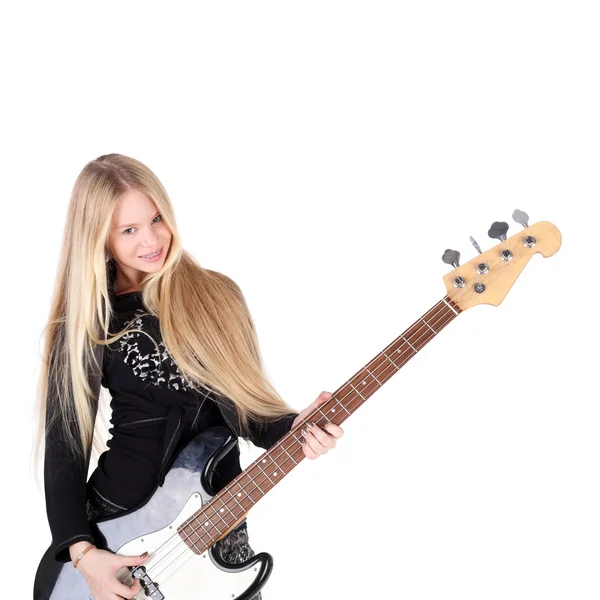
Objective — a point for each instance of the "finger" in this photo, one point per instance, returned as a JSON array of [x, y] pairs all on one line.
[[123, 591], [308, 451], [131, 561], [333, 429], [136, 587], [323, 397], [313, 443], [325, 439], [314, 447]]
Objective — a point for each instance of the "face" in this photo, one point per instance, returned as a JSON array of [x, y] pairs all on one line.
[[137, 230]]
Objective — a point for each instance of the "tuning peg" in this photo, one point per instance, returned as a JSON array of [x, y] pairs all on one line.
[[451, 257], [521, 217], [475, 244], [498, 230]]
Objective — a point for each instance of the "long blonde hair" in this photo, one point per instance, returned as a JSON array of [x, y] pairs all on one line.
[[204, 319]]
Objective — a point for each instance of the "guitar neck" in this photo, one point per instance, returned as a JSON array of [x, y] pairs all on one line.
[[215, 519]]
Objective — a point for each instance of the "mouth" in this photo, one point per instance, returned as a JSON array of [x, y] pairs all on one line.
[[152, 255]]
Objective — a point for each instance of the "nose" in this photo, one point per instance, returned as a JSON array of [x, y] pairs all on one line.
[[150, 241]]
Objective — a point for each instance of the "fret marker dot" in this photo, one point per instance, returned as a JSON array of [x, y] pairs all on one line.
[[275, 473], [222, 510], [239, 493], [206, 524], [264, 460], [364, 382], [333, 410]]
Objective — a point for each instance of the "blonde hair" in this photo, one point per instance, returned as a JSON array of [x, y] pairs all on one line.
[[204, 319]]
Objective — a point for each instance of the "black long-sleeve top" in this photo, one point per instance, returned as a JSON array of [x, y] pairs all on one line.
[[153, 410]]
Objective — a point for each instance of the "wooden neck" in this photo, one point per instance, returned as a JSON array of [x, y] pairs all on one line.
[[225, 510]]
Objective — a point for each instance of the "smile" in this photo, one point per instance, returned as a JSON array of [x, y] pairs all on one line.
[[152, 256]]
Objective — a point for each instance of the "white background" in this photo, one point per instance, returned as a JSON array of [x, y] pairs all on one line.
[[324, 155]]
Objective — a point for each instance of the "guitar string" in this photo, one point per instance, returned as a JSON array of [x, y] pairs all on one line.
[[438, 308], [439, 305], [438, 316], [184, 547]]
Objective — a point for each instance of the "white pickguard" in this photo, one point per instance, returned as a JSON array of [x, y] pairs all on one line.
[[180, 573]]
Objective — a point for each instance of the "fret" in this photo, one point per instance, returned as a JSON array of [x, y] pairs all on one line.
[[409, 344], [222, 509], [284, 466], [248, 496], [239, 494], [338, 402], [234, 498], [262, 478], [449, 306], [428, 325], [274, 465], [208, 534], [319, 409], [275, 462], [284, 449], [357, 393], [266, 474], [257, 486], [215, 513], [393, 363], [199, 539], [373, 376]]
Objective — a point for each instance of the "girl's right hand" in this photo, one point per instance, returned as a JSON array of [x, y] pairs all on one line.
[[99, 568]]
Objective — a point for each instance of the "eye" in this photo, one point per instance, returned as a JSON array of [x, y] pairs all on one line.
[[153, 221]]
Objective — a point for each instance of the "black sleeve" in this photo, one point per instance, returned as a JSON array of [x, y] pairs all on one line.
[[65, 480], [262, 434], [265, 435]]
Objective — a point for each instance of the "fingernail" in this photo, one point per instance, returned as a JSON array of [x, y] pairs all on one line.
[[310, 425], [302, 441], [304, 432], [144, 555]]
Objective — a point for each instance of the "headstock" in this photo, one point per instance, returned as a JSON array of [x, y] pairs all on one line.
[[487, 278]]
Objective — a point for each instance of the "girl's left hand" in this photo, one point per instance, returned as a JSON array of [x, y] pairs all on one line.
[[317, 440]]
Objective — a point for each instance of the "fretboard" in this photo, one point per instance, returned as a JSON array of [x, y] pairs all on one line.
[[230, 505]]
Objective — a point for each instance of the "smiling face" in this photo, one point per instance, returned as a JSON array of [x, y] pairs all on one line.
[[137, 230]]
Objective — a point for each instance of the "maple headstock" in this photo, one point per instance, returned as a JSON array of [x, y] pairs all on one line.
[[487, 278]]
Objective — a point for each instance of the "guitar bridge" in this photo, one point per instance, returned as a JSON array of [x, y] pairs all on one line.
[[151, 589]]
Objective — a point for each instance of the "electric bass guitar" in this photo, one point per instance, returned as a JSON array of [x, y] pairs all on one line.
[[182, 520]]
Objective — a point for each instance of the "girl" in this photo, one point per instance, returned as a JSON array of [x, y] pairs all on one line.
[[175, 345]]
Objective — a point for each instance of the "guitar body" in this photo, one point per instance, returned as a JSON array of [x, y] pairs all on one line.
[[179, 573]]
